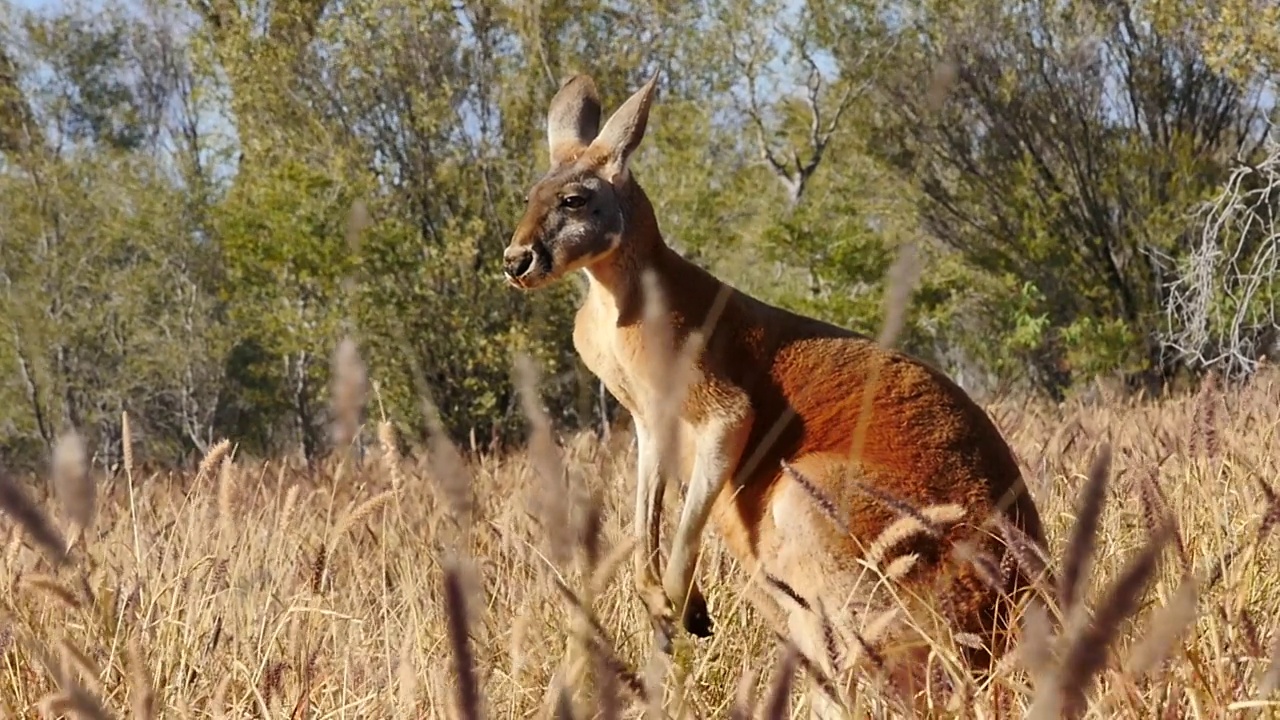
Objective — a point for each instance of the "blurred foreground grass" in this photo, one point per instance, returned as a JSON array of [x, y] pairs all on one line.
[[268, 589]]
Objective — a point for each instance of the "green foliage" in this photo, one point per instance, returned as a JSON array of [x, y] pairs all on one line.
[[840, 256], [433, 325], [284, 253], [104, 309], [178, 180], [1034, 167], [89, 58], [1098, 346]]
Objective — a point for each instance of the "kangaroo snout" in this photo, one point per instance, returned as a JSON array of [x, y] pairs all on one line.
[[516, 261]]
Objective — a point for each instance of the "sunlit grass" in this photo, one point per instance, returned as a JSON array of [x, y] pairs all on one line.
[[359, 588]]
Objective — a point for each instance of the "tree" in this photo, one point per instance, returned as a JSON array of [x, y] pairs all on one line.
[[106, 289], [1222, 295], [1072, 142]]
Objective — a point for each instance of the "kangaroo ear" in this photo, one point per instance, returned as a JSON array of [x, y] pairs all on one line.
[[623, 132], [573, 118]]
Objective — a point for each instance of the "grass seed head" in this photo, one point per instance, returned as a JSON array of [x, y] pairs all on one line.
[[71, 481]]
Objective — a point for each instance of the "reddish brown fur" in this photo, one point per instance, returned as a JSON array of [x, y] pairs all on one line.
[[924, 440]]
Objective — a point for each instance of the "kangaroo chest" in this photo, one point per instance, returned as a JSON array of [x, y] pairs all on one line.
[[605, 351]]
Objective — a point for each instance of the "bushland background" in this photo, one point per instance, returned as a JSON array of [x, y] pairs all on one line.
[[201, 198], [239, 240]]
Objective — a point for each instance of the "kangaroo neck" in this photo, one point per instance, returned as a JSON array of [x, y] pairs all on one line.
[[618, 280]]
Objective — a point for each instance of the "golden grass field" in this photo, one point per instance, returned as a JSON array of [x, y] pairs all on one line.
[[266, 589]]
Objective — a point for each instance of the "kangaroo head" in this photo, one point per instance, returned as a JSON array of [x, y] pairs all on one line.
[[576, 215]]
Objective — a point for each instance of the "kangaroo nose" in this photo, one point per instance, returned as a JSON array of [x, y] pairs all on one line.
[[517, 261]]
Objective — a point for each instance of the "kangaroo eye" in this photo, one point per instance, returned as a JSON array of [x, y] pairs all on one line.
[[573, 201]]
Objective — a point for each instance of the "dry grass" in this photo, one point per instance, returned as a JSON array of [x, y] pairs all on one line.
[[423, 583]]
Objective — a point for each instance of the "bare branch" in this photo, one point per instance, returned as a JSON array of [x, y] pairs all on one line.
[[813, 83], [795, 165], [1220, 311], [756, 115]]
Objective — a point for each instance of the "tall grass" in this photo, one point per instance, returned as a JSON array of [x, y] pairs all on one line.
[[424, 582]]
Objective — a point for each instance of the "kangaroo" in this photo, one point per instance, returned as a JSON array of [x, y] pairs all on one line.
[[786, 418]]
